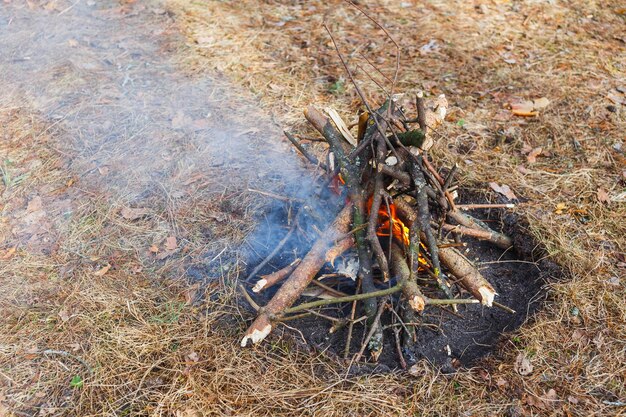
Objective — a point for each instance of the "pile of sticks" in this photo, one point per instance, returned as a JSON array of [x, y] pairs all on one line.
[[400, 218]]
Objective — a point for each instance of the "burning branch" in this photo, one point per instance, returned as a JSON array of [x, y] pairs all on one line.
[[397, 240], [299, 279]]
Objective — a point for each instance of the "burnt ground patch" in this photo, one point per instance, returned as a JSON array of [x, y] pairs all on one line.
[[448, 340]]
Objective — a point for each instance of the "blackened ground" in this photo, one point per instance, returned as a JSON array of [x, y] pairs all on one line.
[[446, 340]]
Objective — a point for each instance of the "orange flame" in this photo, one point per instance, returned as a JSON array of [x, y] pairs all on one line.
[[399, 230]]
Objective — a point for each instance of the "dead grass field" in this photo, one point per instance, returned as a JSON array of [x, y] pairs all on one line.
[[153, 349]]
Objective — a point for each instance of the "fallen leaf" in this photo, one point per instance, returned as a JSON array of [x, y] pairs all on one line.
[[602, 195], [191, 293], [64, 315], [171, 243], [551, 395], [133, 213], [8, 253], [532, 155], [100, 272], [154, 249], [572, 400], [523, 108], [528, 108], [34, 205], [579, 335], [541, 103], [193, 356], [560, 208], [504, 190], [534, 401], [523, 365], [501, 382]]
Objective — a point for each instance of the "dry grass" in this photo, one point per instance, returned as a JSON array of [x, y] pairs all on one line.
[[155, 350]]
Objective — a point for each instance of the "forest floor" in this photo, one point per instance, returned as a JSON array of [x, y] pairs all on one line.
[[120, 184]]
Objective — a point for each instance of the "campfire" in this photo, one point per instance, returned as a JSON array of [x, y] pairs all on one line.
[[400, 226]]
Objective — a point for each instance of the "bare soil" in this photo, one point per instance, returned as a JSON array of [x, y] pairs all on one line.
[[518, 276]]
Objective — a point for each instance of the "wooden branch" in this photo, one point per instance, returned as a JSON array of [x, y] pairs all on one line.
[[483, 206], [312, 159], [274, 278], [339, 248], [463, 230], [377, 198], [499, 239], [457, 264], [356, 297], [468, 274], [424, 218], [403, 177], [299, 280], [401, 270]]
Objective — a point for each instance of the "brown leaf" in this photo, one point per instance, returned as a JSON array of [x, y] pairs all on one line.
[[8, 253], [171, 243], [560, 208], [523, 108], [100, 272], [541, 103], [154, 249], [35, 204], [130, 213], [532, 155], [602, 195], [529, 108], [504, 190], [579, 335], [191, 293], [523, 365], [64, 315], [551, 395]]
